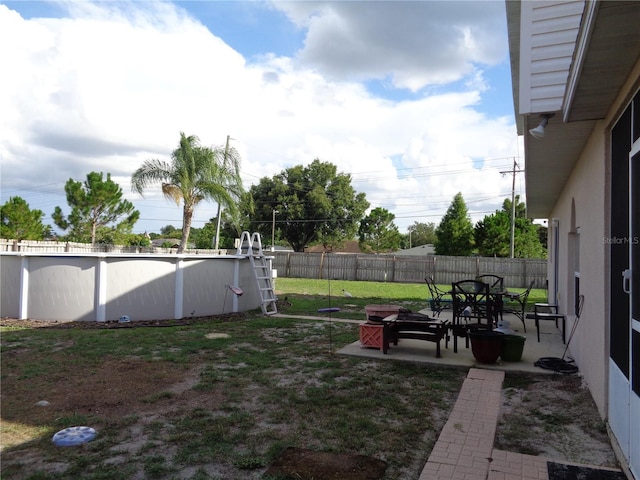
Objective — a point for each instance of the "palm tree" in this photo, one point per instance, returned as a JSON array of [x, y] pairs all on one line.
[[195, 173]]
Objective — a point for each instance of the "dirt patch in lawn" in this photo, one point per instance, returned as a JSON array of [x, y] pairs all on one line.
[[154, 405], [303, 464], [554, 417]]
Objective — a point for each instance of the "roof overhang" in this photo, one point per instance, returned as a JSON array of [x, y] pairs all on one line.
[[607, 48]]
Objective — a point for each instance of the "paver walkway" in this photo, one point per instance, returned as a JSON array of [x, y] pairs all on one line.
[[464, 450]]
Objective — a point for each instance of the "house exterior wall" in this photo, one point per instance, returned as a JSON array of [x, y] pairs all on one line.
[[584, 203], [580, 211], [548, 37]]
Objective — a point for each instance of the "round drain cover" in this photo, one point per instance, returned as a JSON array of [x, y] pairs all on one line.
[[73, 436]]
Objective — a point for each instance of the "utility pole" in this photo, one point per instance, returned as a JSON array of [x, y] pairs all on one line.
[[217, 242], [513, 203]]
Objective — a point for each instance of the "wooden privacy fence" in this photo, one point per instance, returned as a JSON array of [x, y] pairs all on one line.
[[517, 272]]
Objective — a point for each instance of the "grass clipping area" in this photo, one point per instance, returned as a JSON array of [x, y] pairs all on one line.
[[211, 400]]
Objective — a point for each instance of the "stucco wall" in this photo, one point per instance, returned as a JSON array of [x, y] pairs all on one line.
[[588, 189], [580, 211]]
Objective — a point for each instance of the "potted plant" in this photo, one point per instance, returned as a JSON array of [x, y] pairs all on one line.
[[512, 348], [486, 345]]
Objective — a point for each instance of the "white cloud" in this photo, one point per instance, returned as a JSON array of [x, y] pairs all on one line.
[[114, 83], [416, 43]]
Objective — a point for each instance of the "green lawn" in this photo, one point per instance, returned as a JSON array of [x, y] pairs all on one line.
[[219, 398], [306, 296], [216, 399]]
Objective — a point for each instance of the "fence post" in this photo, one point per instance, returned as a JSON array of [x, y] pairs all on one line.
[[288, 264], [435, 269], [393, 269]]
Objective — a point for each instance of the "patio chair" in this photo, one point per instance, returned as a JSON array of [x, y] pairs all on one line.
[[472, 305], [496, 284], [520, 300], [437, 302], [548, 311]]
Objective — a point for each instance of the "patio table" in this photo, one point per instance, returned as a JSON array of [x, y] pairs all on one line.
[[416, 326], [496, 296]]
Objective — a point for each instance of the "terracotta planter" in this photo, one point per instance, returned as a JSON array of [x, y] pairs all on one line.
[[371, 335], [486, 345]]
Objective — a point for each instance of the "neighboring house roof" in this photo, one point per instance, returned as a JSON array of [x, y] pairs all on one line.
[[157, 242], [349, 246], [175, 242], [599, 44], [428, 249]]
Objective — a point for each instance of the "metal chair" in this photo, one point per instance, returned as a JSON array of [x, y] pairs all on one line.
[[495, 282], [548, 311], [437, 302], [496, 286], [521, 301], [472, 305]]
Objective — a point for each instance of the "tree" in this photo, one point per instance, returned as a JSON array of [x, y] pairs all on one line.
[[312, 204], [543, 231], [95, 204], [204, 237], [378, 233], [455, 231], [169, 231], [19, 222], [421, 234], [234, 223], [493, 233], [195, 173]]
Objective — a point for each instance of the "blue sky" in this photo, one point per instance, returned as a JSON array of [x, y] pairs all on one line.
[[413, 99]]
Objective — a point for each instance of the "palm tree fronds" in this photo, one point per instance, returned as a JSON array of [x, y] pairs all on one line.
[[151, 172], [172, 192], [195, 173]]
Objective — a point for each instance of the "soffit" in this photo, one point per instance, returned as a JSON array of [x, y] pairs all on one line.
[[613, 50], [550, 160]]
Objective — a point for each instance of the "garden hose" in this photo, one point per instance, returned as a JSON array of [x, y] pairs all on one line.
[[558, 365]]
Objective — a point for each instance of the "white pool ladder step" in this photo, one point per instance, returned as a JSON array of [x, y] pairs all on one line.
[[251, 246]]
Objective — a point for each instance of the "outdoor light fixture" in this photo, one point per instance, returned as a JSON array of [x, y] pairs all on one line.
[[538, 132]]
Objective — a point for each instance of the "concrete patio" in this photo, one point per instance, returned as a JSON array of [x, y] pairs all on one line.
[[421, 351], [461, 451]]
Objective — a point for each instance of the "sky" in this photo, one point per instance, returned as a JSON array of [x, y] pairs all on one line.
[[412, 99]]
